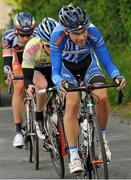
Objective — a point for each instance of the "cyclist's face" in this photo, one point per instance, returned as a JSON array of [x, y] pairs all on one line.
[[46, 46], [24, 38], [79, 37]]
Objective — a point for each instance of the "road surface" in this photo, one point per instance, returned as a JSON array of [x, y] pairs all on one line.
[[14, 163]]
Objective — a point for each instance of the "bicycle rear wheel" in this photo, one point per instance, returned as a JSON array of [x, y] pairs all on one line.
[[97, 153], [56, 149]]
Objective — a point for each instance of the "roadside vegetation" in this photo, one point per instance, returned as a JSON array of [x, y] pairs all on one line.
[[113, 19]]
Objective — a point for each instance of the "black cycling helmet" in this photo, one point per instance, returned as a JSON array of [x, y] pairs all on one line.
[[24, 23], [73, 17], [46, 27]]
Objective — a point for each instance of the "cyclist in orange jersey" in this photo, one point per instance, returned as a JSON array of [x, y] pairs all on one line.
[[13, 42]]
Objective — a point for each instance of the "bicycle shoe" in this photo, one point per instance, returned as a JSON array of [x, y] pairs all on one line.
[[18, 141], [75, 166]]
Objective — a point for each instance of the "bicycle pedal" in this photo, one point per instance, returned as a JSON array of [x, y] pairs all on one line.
[[81, 176], [19, 147], [77, 173]]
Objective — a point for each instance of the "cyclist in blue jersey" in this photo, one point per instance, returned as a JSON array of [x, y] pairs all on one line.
[[74, 42]]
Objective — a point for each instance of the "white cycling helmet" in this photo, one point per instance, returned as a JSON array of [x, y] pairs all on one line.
[[46, 27]]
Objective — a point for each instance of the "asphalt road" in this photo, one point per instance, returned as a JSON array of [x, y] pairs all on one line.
[[14, 163]]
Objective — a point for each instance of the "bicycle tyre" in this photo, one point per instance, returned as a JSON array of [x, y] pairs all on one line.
[[55, 152], [99, 168], [27, 138], [35, 147], [29, 149]]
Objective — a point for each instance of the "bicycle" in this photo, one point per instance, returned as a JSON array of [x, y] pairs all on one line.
[[58, 143], [54, 129], [31, 141], [90, 141]]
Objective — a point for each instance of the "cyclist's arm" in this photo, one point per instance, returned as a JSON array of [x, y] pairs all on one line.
[[7, 54], [28, 65], [98, 43], [56, 60]]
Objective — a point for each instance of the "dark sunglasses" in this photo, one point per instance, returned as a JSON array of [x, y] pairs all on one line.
[[47, 45], [78, 33], [24, 35]]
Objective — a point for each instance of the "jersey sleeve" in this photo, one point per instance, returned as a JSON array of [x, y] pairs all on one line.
[[28, 63], [97, 41], [28, 56], [56, 45], [7, 49]]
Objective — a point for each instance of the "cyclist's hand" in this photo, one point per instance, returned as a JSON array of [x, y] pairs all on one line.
[[120, 80], [31, 90], [64, 86], [63, 89], [9, 77]]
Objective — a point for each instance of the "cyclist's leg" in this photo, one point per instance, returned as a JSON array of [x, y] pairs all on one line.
[[102, 112], [71, 124], [94, 75], [40, 82], [18, 103]]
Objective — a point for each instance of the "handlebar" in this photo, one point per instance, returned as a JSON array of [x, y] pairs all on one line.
[[121, 96], [88, 88], [42, 91], [91, 87]]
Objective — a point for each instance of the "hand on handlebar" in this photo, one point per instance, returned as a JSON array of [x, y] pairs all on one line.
[[31, 90], [120, 80], [10, 77], [64, 85]]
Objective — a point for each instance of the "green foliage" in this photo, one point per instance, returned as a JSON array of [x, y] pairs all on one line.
[[113, 18]]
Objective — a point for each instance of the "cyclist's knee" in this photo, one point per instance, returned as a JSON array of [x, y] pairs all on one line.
[[19, 87], [41, 84], [103, 98], [72, 106]]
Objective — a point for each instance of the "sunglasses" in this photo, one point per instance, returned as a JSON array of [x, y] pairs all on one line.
[[47, 45], [78, 33], [24, 35]]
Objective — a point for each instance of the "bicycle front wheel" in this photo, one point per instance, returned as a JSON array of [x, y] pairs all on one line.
[[55, 150], [97, 153], [35, 149]]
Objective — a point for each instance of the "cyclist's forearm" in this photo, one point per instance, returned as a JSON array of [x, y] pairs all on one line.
[[57, 80], [107, 62], [28, 76], [8, 62]]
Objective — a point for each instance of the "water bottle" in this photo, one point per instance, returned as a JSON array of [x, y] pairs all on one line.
[[84, 131]]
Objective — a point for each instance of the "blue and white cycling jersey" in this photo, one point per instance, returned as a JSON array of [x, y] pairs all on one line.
[[62, 48]]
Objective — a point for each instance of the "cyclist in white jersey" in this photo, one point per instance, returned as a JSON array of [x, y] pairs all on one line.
[[36, 65]]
